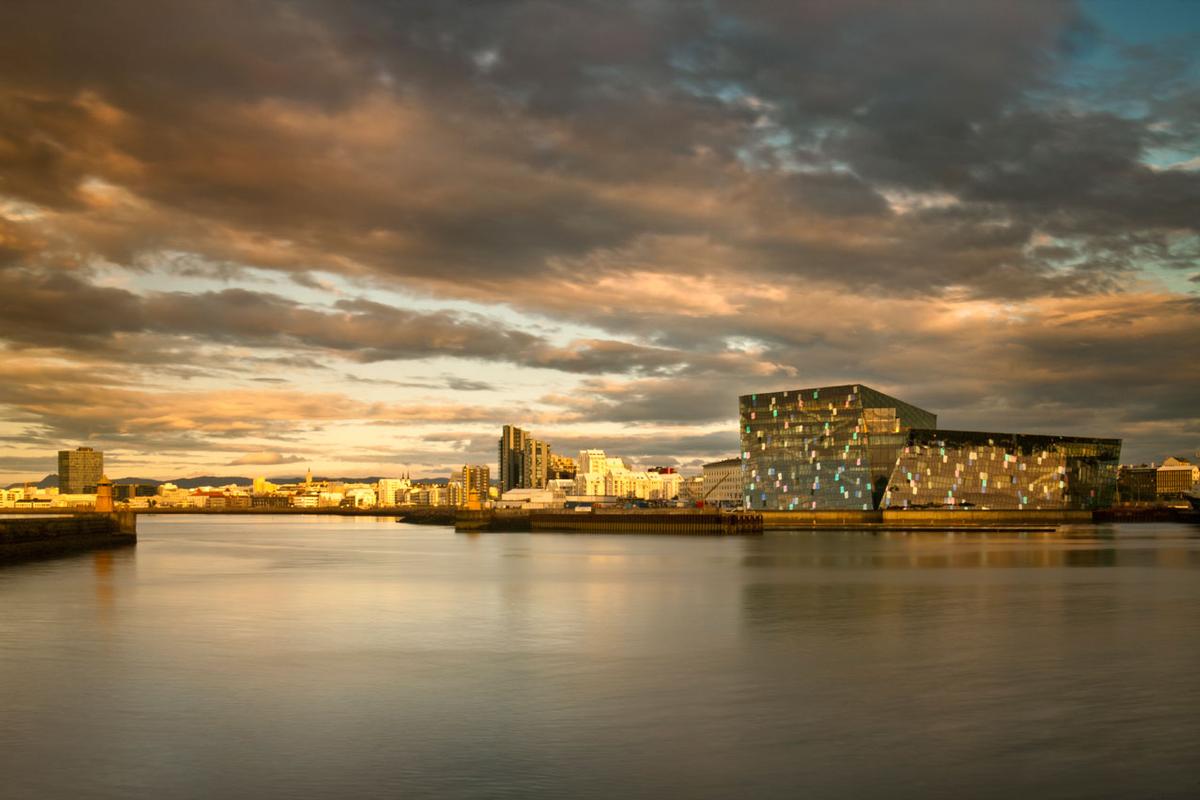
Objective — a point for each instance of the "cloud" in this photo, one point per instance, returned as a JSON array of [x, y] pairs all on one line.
[[266, 457], [659, 206]]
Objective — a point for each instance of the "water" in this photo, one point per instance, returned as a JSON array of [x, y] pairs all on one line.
[[299, 657]]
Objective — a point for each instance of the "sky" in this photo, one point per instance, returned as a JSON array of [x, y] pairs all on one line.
[[248, 238]]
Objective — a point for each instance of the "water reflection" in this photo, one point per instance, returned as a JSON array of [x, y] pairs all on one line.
[[876, 550], [326, 658]]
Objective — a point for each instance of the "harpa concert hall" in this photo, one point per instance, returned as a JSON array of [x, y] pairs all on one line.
[[851, 447]]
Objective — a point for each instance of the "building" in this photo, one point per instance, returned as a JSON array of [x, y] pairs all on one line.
[[390, 491], [722, 483], [531, 499], [852, 447], [512, 457], [79, 470], [830, 447], [1175, 477], [977, 469], [125, 492], [603, 476], [1137, 484], [535, 465], [691, 488], [474, 489], [562, 467], [263, 486], [593, 461], [104, 496]]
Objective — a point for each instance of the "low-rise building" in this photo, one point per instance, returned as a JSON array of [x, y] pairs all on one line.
[[1175, 477], [723, 483]]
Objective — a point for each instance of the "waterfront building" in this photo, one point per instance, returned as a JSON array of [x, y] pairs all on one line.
[[531, 499], [979, 469], [691, 488], [722, 483], [1175, 477], [473, 492], [1137, 484], [362, 497], [79, 470], [830, 447], [512, 457], [306, 500]]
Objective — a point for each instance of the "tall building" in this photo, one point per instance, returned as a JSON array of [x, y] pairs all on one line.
[[512, 457], [79, 470], [475, 482], [828, 447], [535, 466]]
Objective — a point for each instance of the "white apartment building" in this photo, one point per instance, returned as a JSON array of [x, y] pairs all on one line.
[[389, 490]]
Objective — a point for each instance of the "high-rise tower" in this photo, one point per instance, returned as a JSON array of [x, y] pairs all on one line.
[[512, 457], [79, 470]]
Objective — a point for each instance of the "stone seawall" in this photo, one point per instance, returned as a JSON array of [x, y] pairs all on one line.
[[33, 538], [918, 519], [682, 522]]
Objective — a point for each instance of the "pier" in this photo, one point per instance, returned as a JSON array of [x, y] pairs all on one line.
[[31, 538]]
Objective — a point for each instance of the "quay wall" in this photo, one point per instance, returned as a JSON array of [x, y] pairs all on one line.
[[31, 538], [682, 522], [932, 518]]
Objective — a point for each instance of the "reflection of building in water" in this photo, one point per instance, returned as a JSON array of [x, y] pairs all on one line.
[[1003, 471], [853, 448]]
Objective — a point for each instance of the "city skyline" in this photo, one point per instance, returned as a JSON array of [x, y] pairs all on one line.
[[250, 239]]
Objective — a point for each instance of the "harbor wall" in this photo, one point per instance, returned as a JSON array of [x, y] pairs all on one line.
[[31, 538], [932, 518], [681, 522]]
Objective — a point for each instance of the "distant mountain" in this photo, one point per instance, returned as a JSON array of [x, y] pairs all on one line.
[[48, 482]]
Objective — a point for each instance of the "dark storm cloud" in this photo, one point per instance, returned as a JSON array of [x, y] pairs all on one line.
[[324, 133], [62, 310], [786, 169]]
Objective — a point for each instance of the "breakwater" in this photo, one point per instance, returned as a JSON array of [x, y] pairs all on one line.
[[682, 522], [32, 538]]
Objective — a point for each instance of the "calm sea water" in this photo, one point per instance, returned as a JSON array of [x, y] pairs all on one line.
[[300, 657]]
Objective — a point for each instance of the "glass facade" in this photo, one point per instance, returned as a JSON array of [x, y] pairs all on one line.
[[831, 447], [967, 469]]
